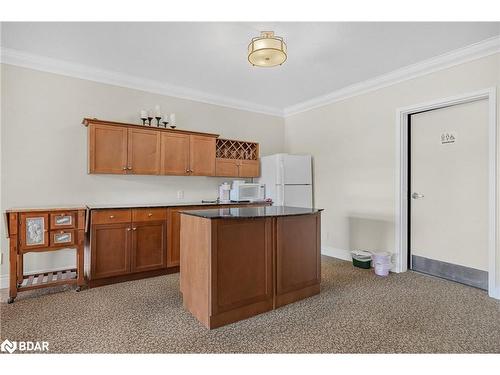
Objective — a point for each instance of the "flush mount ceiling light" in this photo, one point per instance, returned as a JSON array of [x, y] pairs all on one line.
[[267, 50]]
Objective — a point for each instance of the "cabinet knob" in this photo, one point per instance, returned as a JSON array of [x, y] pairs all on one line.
[[134, 228], [111, 216], [124, 168], [129, 168], [129, 229], [150, 214]]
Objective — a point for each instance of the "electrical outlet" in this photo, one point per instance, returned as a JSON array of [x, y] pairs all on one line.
[[180, 194]]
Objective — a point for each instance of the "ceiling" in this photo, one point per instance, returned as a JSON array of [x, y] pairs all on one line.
[[210, 57]]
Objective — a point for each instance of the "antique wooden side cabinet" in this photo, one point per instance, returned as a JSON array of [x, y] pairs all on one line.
[[40, 230]]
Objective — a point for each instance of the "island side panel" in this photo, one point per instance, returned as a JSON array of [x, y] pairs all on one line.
[[242, 269], [195, 245], [298, 258]]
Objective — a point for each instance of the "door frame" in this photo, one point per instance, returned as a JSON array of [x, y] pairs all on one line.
[[401, 188]]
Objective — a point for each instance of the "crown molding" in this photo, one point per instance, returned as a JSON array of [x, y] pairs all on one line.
[[50, 65], [459, 56], [472, 52]]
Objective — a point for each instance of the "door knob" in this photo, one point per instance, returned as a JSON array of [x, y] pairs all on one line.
[[417, 195]]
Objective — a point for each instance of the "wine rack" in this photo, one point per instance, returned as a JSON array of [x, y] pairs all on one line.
[[233, 149]]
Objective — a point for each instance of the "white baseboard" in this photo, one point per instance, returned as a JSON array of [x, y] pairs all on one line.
[[4, 281], [336, 253]]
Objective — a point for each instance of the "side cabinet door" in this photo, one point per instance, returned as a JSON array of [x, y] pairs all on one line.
[[149, 246], [242, 266], [202, 155], [143, 151], [298, 263], [108, 149], [110, 250], [34, 230], [174, 154]]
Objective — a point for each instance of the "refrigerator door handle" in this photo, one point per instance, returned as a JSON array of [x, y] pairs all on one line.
[[280, 192]]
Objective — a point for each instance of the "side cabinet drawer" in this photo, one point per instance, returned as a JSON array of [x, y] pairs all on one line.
[[111, 216], [62, 220], [62, 238], [149, 214]]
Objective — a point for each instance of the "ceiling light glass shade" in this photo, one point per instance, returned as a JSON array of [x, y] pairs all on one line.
[[267, 50]]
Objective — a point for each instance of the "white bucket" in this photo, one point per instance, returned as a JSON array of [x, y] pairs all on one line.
[[382, 269], [383, 258]]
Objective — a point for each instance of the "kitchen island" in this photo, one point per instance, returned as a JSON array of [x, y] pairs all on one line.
[[240, 262]]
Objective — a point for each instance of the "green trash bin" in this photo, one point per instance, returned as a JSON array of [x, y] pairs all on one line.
[[361, 259]]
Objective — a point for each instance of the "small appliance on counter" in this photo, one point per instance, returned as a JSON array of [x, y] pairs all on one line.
[[224, 193], [247, 192]]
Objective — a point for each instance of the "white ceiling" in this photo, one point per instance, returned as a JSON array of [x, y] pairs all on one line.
[[211, 57]]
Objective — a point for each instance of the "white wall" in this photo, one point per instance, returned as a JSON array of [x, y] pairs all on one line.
[[353, 145], [44, 145]]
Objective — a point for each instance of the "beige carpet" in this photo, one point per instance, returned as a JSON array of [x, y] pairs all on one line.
[[355, 312]]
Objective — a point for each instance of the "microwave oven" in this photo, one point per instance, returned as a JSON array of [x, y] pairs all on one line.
[[247, 192]]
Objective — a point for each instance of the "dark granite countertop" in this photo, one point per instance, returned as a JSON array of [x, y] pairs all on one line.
[[252, 212], [97, 206]]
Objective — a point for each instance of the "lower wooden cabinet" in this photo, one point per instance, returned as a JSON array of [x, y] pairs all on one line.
[[174, 233], [128, 244], [149, 246], [136, 244], [110, 250]]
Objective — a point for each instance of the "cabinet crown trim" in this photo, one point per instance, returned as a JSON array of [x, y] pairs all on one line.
[[88, 121]]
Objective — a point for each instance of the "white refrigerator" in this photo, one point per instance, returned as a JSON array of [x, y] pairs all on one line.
[[287, 179]]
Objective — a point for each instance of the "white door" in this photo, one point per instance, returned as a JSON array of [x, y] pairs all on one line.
[[294, 195], [449, 192]]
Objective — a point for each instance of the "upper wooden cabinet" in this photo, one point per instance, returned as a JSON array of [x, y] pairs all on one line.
[[201, 155], [237, 168], [107, 149], [187, 154], [237, 158], [175, 154], [119, 148], [143, 151]]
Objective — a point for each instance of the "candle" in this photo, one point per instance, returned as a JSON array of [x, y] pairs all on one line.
[[144, 113], [172, 118], [157, 111]]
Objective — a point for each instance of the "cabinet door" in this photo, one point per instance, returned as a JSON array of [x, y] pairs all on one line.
[[202, 155], [108, 149], [249, 168], [143, 151], [149, 246], [242, 264], [34, 230], [227, 168], [298, 264], [110, 250], [174, 233], [174, 154]]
